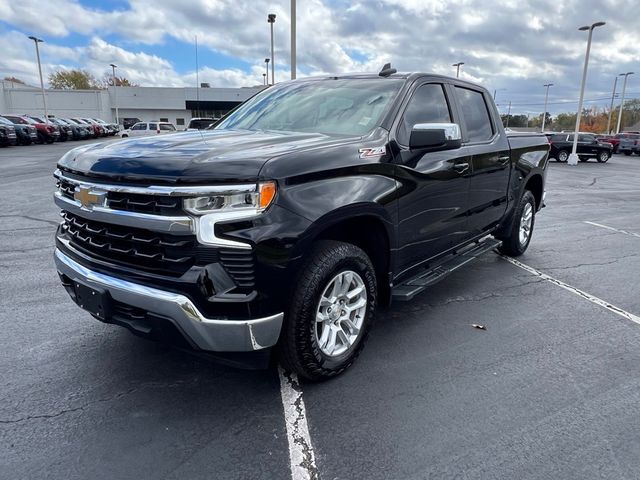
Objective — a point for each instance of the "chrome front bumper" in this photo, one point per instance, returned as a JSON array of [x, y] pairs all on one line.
[[210, 334]]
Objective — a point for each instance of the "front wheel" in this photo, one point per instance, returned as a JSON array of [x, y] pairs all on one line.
[[517, 240], [332, 309], [604, 156]]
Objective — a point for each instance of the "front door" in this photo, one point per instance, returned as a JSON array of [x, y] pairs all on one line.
[[433, 185]]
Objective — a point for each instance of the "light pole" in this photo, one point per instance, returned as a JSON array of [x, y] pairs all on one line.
[[115, 91], [44, 97], [266, 65], [508, 115], [613, 94], [264, 78], [496, 91], [293, 39], [271, 19], [624, 87], [457, 65], [573, 158], [544, 113]]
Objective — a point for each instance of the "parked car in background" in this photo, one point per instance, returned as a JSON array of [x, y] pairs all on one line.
[[7, 135], [628, 143], [83, 130], [65, 130], [102, 128], [143, 129], [588, 147], [111, 128], [25, 134], [200, 123], [129, 122], [77, 131], [46, 132], [96, 129]]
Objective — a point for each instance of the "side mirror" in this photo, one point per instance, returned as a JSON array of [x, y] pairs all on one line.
[[435, 136]]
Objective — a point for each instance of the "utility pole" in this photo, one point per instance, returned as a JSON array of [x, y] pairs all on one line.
[[293, 39], [271, 19], [613, 94], [508, 115], [624, 87], [266, 64], [573, 158], [544, 114], [115, 93], [197, 82], [44, 96]]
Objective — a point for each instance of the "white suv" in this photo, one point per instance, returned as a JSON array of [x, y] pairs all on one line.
[[142, 129]]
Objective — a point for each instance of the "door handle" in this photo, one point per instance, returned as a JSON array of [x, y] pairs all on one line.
[[504, 160], [460, 167]]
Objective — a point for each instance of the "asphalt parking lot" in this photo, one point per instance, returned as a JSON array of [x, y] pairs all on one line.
[[550, 390]]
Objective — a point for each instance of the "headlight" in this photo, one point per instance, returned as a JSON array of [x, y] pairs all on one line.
[[231, 204], [245, 199]]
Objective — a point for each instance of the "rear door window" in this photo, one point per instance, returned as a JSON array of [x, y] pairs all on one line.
[[153, 126], [475, 115]]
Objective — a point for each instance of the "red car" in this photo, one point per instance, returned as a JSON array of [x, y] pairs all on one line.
[[47, 133]]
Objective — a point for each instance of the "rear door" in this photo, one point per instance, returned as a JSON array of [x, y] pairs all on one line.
[[139, 130], [488, 147], [433, 192]]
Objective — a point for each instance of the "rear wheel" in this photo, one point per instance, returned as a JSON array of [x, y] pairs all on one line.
[[518, 238], [562, 156], [627, 152], [332, 309], [604, 156]]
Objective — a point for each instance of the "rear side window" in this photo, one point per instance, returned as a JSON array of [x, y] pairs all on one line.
[[475, 114], [427, 105], [139, 126], [167, 126], [153, 126], [558, 138]]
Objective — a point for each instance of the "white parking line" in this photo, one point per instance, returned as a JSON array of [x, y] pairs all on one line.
[[613, 229], [301, 456], [580, 293]]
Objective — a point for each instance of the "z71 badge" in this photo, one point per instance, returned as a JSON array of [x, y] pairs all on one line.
[[373, 152]]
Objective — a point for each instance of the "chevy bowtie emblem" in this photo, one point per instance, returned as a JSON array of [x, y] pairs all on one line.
[[89, 198]]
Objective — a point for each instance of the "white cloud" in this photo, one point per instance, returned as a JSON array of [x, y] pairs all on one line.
[[505, 44]]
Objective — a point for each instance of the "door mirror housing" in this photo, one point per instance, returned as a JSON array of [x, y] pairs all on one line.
[[435, 136]]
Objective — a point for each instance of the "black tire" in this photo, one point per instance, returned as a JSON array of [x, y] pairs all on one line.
[[562, 156], [604, 156], [627, 153], [41, 138], [299, 348], [511, 243]]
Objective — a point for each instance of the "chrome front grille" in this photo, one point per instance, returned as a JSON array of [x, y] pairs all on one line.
[[132, 202]]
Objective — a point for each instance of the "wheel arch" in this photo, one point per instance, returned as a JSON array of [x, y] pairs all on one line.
[[365, 226]]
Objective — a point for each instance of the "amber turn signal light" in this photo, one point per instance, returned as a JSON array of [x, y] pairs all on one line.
[[267, 192]]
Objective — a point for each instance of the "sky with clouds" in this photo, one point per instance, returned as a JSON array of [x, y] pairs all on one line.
[[513, 47]]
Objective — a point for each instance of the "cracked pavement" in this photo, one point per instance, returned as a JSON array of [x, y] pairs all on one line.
[[550, 390]]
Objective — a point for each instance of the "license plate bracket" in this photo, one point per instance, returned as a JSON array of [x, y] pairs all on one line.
[[94, 300]]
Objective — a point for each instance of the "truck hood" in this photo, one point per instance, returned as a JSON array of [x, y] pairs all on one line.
[[189, 157]]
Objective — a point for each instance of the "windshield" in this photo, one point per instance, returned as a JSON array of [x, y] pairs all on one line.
[[334, 107], [5, 121]]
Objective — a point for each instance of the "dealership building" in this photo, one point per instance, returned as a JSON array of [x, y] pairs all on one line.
[[165, 104]]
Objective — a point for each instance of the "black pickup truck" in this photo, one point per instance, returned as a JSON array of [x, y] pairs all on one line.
[[287, 224]]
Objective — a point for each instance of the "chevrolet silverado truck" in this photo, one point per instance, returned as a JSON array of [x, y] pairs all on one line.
[[284, 227]]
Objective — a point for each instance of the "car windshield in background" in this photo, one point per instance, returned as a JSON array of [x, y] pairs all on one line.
[[333, 107]]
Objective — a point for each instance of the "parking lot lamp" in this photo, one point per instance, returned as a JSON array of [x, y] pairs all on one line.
[[457, 65], [293, 39], [544, 113], [573, 158], [44, 97], [264, 79], [271, 19], [613, 95], [624, 87], [115, 91], [266, 64]]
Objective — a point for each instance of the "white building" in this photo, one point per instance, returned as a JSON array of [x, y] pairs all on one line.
[[175, 105]]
